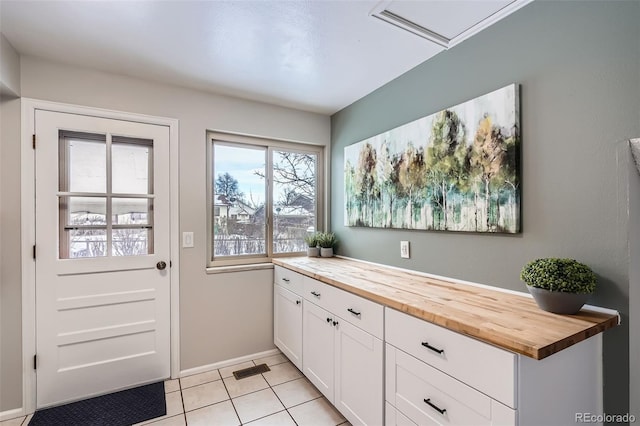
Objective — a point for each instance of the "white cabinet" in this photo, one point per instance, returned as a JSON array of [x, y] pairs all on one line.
[[359, 375], [287, 313], [437, 376], [287, 323], [318, 348], [342, 360]]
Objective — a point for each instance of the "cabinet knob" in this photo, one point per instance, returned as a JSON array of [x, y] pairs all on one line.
[[335, 323], [329, 320], [298, 302]]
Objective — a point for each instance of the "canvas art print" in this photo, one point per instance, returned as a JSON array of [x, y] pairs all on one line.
[[455, 170]]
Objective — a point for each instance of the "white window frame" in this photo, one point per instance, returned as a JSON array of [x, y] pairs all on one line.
[[270, 145]]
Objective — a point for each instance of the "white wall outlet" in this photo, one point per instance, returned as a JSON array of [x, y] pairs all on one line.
[[187, 239], [404, 250]]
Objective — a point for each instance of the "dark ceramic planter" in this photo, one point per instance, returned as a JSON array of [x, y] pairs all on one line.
[[557, 301]]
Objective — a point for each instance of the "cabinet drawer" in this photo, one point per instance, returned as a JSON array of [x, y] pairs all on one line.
[[320, 293], [484, 367], [428, 396], [363, 313], [288, 279]]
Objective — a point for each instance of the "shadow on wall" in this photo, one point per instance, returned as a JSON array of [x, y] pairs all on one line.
[[635, 152]]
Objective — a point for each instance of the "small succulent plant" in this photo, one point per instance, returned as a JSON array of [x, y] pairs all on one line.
[[562, 275], [327, 240], [311, 240]]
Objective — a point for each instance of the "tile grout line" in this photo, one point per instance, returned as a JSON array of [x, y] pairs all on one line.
[[269, 386], [231, 399], [276, 394]]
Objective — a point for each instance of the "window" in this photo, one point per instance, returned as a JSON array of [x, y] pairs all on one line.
[[264, 198], [105, 195]]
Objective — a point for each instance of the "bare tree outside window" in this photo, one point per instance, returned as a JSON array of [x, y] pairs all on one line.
[[242, 189]]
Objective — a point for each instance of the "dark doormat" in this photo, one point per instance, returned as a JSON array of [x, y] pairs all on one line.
[[122, 408]]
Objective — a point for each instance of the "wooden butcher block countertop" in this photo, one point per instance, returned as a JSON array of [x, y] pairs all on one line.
[[506, 320]]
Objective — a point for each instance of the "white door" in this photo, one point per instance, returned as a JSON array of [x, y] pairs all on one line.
[[359, 373], [102, 255], [317, 348], [287, 324]]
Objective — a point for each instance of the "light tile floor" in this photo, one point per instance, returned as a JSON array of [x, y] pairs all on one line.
[[280, 397]]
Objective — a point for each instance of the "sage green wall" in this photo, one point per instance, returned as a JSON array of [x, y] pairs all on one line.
[[578, 66]]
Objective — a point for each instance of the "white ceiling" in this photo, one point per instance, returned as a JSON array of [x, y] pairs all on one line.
[[315, 55]]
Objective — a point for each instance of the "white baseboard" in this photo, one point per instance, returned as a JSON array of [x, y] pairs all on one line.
[[226, 363], [11, 414]]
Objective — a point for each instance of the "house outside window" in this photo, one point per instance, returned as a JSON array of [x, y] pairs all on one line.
[[265, 196]]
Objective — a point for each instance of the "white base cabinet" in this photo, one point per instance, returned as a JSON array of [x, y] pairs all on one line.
[[380, 366], [287, 313], [435, 376], [318, 348], [343, 361], [287, 324]]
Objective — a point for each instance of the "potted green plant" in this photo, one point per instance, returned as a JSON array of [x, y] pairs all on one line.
[[558, 285], [312, 243], [327, 242]]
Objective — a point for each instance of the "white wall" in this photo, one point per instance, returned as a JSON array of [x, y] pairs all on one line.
[[9, 68], [222, 316], [10, 273]]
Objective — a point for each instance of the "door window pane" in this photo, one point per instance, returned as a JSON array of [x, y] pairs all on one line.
[[84, 210], [131, 211], [87, 243], [83, 227], [130, 241], [87, 165], [294, 199], [239, 196], [131, 162]]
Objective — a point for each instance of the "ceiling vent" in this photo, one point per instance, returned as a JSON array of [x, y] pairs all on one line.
[[445, 23]]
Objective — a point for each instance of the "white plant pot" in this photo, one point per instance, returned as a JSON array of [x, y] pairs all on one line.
[[313, 251], [326, 251]]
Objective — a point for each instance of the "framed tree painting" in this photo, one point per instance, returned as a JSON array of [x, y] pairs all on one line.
[[455, 170]]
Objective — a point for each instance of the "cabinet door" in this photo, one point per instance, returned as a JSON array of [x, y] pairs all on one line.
[[287, 324], [317, 348], [359, 375]]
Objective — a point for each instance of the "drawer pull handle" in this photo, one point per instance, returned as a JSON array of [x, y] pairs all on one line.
[[354, 312], [286, 280], [435, 407], [315, 293], [298, 302], [428, 346]]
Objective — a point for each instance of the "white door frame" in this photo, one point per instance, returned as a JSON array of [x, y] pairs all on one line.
[[27, 204]]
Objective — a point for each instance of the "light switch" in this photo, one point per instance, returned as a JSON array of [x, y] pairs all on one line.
[[187, 239]]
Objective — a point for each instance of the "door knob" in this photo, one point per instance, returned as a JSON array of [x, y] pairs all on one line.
[[161, 265]]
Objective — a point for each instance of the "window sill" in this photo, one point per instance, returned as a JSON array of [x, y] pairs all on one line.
[[238, 268]]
